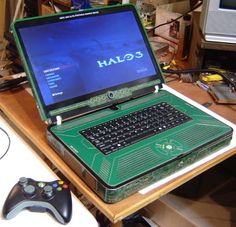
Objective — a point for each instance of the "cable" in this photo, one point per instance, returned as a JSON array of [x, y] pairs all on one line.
[[213, 71], [19, 7], [53, 6], [9, 143], [12, 83], [177, 18], [179, 71]]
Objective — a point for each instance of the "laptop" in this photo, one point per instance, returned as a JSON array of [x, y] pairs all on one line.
[[98, 86]]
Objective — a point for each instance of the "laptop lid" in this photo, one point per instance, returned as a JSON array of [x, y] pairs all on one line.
[[80, 61]]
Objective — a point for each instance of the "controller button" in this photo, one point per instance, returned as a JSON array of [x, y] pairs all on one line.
[[29, 190], [60, 182], [48, 191], [41, 184], [55, 185], [23, 181], [59, 189], [65, 186]]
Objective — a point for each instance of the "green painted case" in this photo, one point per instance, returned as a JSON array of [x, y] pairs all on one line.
[[117, 175]]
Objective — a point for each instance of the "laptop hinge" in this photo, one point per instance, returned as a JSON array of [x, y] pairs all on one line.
[[58, 120], [156, 89]]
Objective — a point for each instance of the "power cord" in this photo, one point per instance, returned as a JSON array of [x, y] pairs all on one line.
[[9, 143], [177, 18]]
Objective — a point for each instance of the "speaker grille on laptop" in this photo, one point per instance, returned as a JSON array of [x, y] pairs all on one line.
[[136, 162], [105, 169], [197, 134]]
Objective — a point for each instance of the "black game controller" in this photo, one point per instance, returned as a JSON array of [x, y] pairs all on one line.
[[38, 196]]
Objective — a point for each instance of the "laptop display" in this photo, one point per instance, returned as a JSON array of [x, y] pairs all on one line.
[[78, 54]]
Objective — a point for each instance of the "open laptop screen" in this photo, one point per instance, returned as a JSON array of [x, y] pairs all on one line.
[[76, 56]]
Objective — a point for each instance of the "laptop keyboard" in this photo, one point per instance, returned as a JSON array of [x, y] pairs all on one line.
[[121, 132]]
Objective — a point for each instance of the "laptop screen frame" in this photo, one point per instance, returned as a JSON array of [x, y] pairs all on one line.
[[79, 105]]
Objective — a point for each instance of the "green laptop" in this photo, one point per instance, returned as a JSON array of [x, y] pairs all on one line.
[[99, 88]]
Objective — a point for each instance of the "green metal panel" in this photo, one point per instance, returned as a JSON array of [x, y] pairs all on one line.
[[133, 161]]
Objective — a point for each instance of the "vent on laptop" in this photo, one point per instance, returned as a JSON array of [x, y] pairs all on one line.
[[136, 162], [105, 169], [197, 134]]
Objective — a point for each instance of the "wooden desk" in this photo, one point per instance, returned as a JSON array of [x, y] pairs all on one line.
[[199, 95], [21, 110]]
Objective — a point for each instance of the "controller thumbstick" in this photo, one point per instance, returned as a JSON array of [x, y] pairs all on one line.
[[48, 191], [23, 181], [29, 190]]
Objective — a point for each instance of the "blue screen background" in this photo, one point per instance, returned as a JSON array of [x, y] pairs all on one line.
[[64, 56]]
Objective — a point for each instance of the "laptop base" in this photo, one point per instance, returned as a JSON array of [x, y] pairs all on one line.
[[113, 195], [118, 175]]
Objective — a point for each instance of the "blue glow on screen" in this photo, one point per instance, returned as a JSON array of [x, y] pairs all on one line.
[[80, 56]]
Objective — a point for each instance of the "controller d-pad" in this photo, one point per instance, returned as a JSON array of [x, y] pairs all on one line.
[[48, 191]]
